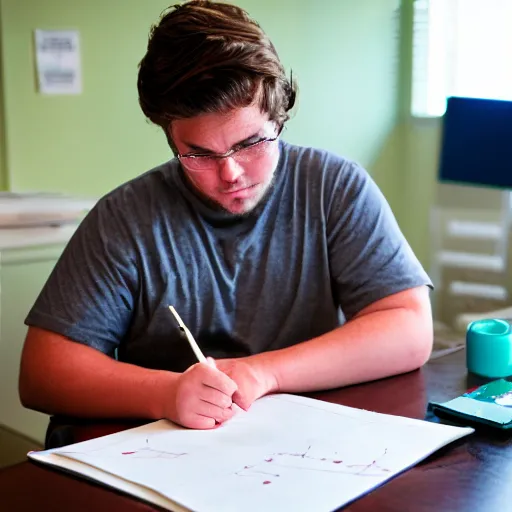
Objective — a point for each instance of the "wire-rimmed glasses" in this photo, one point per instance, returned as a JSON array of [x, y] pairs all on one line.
[[243, 153]]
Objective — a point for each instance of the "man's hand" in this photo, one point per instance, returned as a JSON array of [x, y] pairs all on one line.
[[252, 379], [203, 397]]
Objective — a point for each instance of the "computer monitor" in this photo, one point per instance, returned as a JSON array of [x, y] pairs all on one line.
[[476, 144]]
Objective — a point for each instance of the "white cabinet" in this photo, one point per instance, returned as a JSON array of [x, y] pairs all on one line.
[[27, 257], [470, 251]]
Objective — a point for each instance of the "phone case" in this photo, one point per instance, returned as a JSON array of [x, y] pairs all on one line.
[[490, 404]]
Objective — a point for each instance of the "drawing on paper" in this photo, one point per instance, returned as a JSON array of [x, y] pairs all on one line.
[[307, 461], [147, 452], [144, 452]]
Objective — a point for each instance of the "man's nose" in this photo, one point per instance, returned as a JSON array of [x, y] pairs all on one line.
[[230, 170]]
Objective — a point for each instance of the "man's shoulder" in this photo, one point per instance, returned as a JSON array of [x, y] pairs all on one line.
[[153, 181], [142, 190], [315, 164], [134, 202]]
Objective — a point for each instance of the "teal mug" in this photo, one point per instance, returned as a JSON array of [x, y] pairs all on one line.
[[489, 348]]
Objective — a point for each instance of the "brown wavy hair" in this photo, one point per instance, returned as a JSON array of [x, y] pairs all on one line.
[[211, 57]]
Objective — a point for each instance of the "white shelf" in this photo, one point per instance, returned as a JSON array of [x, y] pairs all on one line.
[[470, 242], [468, 260], [480, 290], [475, 230]]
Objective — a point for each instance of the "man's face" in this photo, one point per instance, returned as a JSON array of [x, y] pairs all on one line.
[[237, 182]]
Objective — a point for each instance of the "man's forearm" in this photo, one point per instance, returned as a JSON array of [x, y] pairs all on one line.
[[79, 381], [373, 346]]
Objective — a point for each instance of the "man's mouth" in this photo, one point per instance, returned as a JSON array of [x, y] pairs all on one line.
[[237, 191]]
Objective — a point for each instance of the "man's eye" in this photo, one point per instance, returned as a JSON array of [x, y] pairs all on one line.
[[201, 156], [249, 143]]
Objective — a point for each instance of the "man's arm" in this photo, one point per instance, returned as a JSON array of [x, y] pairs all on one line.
[[59, 376], [391, 336]]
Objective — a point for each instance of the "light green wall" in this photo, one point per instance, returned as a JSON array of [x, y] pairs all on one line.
[[419, 151], [341, 51], [344, 54], [421, 142], [3, 172], [83, 144]]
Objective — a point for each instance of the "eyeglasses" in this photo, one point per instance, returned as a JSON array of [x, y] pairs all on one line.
[[242, 154]]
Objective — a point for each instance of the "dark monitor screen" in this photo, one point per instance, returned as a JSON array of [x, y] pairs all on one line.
[[476, 146]]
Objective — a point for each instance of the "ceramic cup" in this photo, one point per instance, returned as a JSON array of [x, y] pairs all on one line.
[[489, 348]]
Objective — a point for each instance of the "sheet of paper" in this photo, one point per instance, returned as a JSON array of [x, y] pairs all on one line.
[[286, 453], [58, 61]]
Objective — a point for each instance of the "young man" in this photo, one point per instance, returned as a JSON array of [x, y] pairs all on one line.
[[285, 262]]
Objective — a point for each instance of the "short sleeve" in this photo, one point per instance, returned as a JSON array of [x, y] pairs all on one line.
[[89, 296], [369, 257]]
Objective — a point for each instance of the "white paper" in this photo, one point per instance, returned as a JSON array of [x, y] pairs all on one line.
[[58, 61], [286, 453]]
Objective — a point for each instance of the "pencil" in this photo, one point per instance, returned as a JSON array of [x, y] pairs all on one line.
[[190, 338]]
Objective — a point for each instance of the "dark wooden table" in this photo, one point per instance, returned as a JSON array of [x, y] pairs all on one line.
[[473, 474]]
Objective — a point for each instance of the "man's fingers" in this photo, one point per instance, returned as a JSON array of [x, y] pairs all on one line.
[[212, 411], [219, 380], [215, 397], [201, 422], [239, 400], [204, 397]]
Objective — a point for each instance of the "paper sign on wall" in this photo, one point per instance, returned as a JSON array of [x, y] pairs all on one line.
[[58, 61]]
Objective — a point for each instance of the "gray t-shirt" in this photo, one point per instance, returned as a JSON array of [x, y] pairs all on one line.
[[322, 245]]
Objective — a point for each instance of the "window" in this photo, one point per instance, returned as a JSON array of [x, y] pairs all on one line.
[[460, 48]]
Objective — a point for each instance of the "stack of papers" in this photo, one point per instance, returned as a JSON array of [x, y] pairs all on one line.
[[41, 209]]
